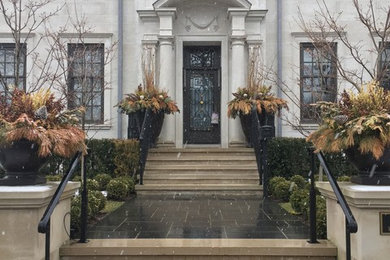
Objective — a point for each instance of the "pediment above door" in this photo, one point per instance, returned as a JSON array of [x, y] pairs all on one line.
[[231, 3]]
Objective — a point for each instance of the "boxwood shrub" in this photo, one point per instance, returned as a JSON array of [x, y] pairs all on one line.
[[103, 179], [289, 156], [117, 189]]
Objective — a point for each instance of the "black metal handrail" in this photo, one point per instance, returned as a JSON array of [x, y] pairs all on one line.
[[44, 223], [144, 142], [259, 136], [351, 225]]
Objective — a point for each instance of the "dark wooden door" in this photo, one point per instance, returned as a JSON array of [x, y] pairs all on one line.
[[202, 94]]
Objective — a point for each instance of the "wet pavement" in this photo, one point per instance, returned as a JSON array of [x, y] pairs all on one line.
[[199, 217]]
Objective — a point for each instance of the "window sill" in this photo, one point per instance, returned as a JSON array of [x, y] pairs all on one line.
[[98, 127]]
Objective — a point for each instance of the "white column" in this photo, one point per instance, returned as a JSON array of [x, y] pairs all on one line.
[[238, 80], [238, 66], [166, 67]]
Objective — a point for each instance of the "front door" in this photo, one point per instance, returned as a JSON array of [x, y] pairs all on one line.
[[202, 94]]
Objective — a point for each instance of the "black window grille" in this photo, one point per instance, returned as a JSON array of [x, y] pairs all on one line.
[[8, 68], [86, 80], [318, 78]]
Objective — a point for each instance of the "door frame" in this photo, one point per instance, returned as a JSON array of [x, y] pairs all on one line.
[[221, 41]]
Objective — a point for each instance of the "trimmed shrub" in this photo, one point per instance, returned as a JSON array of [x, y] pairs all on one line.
[[104, 156], [282, 191], [100, 197], [117, 189], [289, 156], [103, 179], [126, 157], [92, 185], [344, 178], [273, 182], [299, 199], [129, 183], [299, 181], [56, 177]]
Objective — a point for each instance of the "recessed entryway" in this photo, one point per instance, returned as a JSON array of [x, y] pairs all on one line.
[[202, 94]]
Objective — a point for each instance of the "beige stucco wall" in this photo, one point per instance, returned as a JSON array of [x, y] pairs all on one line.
[[366, 202], [21, 209]]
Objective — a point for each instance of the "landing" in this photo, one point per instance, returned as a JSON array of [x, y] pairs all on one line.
[[199, 217]]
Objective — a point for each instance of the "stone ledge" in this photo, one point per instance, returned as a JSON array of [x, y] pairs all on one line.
[[32, 196], [199, 247], [359, 196]]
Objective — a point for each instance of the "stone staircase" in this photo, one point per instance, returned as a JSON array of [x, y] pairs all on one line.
[[201, 171], [199, 249]]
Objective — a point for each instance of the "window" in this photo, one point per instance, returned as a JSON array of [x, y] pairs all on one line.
[[384, 66], [8, 65], [86, 80], [318, 78]]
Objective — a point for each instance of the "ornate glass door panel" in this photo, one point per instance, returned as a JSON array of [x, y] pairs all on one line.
[[202, 95]]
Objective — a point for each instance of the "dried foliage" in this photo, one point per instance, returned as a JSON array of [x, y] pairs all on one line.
[[145, 98], [148, 96], [256, 93], [358, 120], [261, 97], [40, 118]]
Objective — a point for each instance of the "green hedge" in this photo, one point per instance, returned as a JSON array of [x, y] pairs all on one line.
[[105, 156], [289, 156]]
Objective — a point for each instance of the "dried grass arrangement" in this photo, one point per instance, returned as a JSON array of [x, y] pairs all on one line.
[[359, 120], [256, 93], [40, 118], [148, 96]]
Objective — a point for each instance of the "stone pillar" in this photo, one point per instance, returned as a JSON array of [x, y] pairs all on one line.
[[366, 203], [21, 209], [238, 66], [166, 69]]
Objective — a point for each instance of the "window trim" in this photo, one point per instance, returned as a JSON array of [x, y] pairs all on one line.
[[99, 47], [386, 46], [302, 46], [24, 50]]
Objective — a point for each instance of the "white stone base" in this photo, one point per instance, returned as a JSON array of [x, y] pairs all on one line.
[[366, 202], [21, 209]]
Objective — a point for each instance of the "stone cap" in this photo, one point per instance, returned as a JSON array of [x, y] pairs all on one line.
[[35, 196], [359, 196]]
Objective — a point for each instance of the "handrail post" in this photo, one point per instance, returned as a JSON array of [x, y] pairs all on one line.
[[347, 241], [265, 173], [84, 204], [47, 241], [313, 201]]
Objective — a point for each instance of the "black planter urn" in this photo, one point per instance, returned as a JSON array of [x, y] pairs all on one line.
[[265, 119], [21, 163], [135, 121], [371, 171]]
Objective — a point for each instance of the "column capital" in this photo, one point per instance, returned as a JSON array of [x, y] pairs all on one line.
[[166, 40], [237, 40], [150, 40], [254, 40]]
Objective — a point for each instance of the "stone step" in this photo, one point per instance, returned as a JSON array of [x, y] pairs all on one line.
[[236, 173], [184, 167], [201, 189], [200, 157], [200, 179], [200, 249], [204, 151], [200, 162]]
